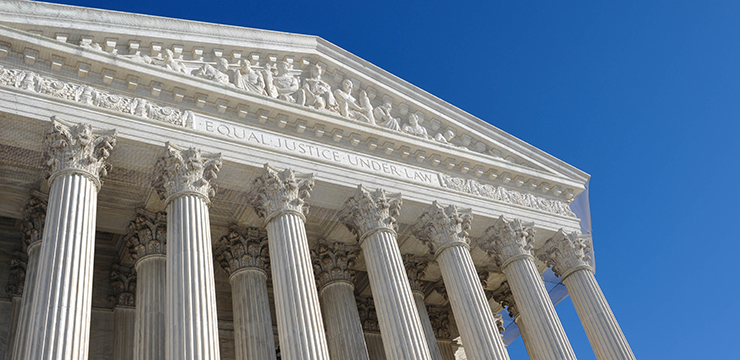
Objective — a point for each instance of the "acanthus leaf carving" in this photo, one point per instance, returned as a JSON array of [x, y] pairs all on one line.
[[507, 240], [147, 234], [91, 96], [566, 253], [278, 191], [17, 278], [500, 193], [186, 171], [123, 282], [441, 227], [415, 268], [34, 219], [243, 248], [439, 317], [368, 316], [77, 148], [369, 211], [333, 262], [505, 297]]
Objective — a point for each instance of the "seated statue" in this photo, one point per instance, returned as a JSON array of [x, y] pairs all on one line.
[[384, 118], [247, 79], [365, 113], [317, 92], [173, 64], [446, 137], [345, 100], [217, 74], [414, 127], [283, 86]]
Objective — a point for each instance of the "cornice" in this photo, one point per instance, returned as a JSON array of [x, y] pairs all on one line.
[[304, 49]]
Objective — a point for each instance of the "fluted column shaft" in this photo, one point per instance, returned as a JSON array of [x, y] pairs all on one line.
[[253, 337], [398, 318], [375, 348], [300, 325], [124, 318], [190, 314], [149, 315], [445, 348], [23, 329], [537, 313], [343, 328], [427, 325], [472, 313], [62, 301], [296, 299], [569, 255], [60, 311], [603, 331]]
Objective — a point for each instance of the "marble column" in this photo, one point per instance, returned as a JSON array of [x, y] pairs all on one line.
[[510, 242], [569, 255], [243, 253], [279, 196], [62, 301], [445, 230], [123, 282], [369, 320], [33, 230], [415, 268], [15, 287], [439, 319], [146, 242], [505, 297], [184, 177], [332, 264], [371, 216]]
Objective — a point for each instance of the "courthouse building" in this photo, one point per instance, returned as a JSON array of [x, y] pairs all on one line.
[[155, 182]]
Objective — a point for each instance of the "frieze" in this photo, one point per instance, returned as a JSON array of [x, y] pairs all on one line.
[[91, 96], [499, 193], [314, 151]]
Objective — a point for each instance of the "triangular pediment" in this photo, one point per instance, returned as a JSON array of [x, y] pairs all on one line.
[[172, 70]]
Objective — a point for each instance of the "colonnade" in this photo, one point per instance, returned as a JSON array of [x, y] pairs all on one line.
[[317, 315]]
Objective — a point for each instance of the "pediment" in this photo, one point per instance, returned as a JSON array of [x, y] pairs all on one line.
[[172, 71]]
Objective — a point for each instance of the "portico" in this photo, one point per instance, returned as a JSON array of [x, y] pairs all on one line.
[[277, 211]]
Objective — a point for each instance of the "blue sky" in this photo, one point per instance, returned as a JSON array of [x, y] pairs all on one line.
[[644, 96]]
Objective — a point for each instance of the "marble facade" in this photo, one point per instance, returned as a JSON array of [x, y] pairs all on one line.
[[179, 190]]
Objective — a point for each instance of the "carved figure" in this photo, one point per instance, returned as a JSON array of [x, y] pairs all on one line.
[[317, 92], [345, 99], [247, 79], [366, 109], [384, 118], [414, 127], [446, 137], [218, 74], [284, 85], [173, 64]]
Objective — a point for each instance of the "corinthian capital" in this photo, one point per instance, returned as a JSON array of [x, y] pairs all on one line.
[[186, 171], [439, 317], [123, 282], [75, 148], [278, 191], [415, 268], [441, 227], [34, 216], [333, 262], [505, 297], [566, 253], [243, 248], [507, 240], [17, 278], [368, 316], [369, 211], [147, 234]]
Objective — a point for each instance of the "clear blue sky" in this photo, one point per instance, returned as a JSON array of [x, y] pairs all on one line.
[[643, 95]]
